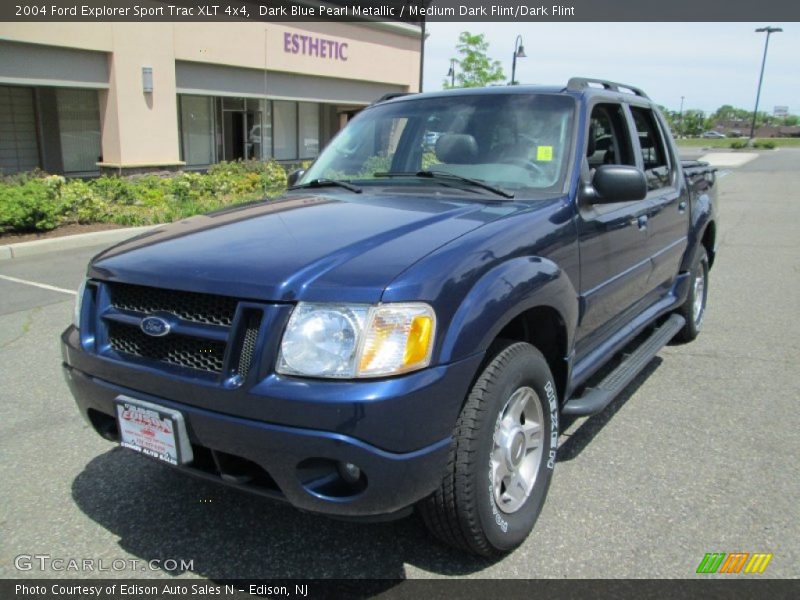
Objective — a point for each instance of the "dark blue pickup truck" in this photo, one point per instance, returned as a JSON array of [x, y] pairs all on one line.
[[407, 325]]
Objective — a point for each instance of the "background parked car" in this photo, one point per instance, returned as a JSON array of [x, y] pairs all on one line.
[[713, 134]]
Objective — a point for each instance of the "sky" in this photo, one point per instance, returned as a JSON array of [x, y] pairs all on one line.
[[710, 64]]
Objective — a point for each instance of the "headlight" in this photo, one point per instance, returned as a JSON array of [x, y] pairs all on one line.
[[346, 341], [76, 315]]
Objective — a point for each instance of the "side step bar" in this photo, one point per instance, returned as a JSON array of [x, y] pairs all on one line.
[[596, 399]]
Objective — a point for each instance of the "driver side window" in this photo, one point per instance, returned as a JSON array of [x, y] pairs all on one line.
[[609, 142]]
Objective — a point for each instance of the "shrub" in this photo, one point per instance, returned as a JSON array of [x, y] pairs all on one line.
[[20, 178], [114, 189], [766, 144], [32, 205], [739, 144], [81, 203], [35, 201]]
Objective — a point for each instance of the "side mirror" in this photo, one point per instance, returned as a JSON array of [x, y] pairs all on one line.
[[618, 183], [294, 177]]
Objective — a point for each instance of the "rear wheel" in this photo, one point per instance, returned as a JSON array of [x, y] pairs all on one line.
[[694, 308], [501, 458]]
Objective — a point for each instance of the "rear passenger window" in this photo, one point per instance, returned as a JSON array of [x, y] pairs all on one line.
[[609, 142], [656, 164]]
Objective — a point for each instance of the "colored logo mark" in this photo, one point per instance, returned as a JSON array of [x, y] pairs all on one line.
[[734, 563]]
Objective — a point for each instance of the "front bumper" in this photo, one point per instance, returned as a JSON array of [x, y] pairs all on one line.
[[296, 462]]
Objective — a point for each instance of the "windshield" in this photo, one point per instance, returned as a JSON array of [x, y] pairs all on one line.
[[519, 142]]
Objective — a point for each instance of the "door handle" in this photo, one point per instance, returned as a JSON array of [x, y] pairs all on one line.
[[682, 207], [640, 222]]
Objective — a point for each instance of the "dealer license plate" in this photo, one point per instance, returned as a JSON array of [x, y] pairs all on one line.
[[153, 430]]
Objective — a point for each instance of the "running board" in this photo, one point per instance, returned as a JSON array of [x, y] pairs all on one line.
[[596, 399]]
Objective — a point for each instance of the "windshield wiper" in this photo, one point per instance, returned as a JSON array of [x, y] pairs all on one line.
[[319, 183], [444, 175]]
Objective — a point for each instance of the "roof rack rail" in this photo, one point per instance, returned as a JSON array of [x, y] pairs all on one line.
[[391, 96], [577, 84]]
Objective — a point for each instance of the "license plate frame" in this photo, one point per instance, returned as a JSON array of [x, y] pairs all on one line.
[[153, 430]]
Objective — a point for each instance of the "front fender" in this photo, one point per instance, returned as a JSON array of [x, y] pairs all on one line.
[[503, 293]]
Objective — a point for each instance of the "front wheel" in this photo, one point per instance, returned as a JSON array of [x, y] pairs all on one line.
[[501, 458]]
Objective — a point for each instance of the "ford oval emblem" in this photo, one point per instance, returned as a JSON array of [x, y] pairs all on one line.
[[155, 326]]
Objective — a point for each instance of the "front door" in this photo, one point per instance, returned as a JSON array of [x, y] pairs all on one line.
[[614, 255], [241, 129], [233, 126]]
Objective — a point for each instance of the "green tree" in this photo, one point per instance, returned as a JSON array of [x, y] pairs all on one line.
[[726, 112], [690, 122], [731, 114], [474, 68], [693, 122], [672, 118]]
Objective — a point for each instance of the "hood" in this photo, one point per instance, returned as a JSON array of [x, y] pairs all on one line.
[[320, 247]]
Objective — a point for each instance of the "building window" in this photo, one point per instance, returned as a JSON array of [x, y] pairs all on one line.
[[254, 126], [79, 129], [197, 130], [285, 132], [308, 126], [229, 128], [19, 149], [245, 129], [264, 131]]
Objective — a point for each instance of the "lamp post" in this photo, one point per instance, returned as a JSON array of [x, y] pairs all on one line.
[[680, 119], [519, 52], [452, 72], [769, 31]]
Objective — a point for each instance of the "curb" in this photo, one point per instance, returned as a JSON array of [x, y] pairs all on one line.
[[70, 242]]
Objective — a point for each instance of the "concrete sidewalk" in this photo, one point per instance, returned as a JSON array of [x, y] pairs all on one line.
[[70, 242]]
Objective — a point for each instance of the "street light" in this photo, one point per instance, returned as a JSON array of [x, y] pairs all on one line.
[[452, 72], [519, 52], [769, 31]]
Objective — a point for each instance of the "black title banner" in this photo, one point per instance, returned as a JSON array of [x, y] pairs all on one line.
[[406, 11], [396, 589]]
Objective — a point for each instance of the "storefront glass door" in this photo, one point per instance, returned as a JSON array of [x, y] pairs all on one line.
[[241, 129]]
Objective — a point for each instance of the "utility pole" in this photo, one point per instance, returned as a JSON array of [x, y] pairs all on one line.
[[422, 36], [452, 73], [680, 119], [769, 31], [519, 52]]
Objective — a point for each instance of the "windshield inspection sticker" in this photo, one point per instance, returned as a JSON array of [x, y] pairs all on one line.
[[544, 153]]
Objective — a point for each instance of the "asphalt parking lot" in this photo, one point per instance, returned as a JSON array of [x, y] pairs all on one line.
[[699, 454]]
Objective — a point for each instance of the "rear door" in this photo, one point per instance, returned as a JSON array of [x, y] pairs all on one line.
[[614, 254], [667, 199]]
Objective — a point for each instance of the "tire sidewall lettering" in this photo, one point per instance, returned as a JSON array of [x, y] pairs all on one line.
[[552, 401], [551, 407]]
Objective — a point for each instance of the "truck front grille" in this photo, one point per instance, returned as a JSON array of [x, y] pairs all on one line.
[[185, 351], [249, 343], [218, 335], [190, 306]]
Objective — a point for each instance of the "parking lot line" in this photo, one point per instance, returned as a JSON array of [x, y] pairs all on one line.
[[44, 286]]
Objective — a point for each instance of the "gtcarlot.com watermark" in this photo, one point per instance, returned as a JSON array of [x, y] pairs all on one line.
[[60, 564]]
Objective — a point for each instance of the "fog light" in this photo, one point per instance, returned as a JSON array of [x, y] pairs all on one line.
[[349, 472]]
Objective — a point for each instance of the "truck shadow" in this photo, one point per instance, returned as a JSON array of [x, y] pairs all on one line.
[[160, 514], [585, 433]]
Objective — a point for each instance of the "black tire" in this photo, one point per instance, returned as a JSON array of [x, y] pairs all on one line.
[[463, 512], [694, 323]]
